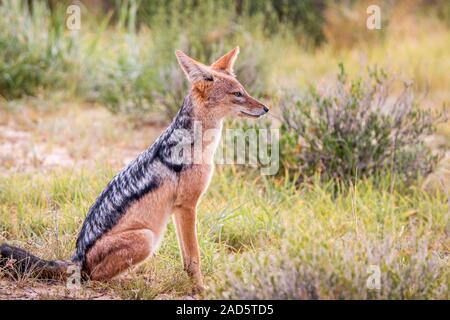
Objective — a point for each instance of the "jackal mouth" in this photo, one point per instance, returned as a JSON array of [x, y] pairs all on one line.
[[248, 114]]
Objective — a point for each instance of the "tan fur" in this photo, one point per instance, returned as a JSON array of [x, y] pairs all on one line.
[[134, 237], [116, 252], [226, 62]]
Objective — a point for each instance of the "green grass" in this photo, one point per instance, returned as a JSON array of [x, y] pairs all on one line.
[[259, 237]]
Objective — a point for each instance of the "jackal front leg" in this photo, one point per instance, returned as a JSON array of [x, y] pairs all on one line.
[[185, 223]]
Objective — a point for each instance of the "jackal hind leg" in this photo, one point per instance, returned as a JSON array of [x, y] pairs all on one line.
[[115, 253]]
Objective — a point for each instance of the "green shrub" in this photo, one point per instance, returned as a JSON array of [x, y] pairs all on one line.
[[303, 19], [144, 75], [126, 87], [34, 53], [123, 79], [356, 128]]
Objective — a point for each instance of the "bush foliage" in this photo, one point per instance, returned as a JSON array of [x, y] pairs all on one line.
[[355, 128], [34, 55]]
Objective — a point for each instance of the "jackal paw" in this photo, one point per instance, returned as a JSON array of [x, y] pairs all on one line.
[[198, 288]]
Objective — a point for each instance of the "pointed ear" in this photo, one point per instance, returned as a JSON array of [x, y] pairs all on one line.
[[226, 62], [195, 71]]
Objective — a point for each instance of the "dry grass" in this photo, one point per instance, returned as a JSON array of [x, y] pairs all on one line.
[[413, 47], [259, 237]]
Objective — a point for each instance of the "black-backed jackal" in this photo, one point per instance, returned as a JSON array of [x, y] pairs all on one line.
[[128, 219]]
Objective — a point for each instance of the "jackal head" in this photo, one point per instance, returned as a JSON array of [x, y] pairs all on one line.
[[216, 90]]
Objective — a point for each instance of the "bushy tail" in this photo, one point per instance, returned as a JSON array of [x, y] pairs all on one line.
[[21, 262]]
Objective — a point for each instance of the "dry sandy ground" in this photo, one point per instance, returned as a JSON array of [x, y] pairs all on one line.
[[74, 136], [26, 290]]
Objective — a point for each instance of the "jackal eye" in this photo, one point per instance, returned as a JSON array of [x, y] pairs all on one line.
[[237, 94]]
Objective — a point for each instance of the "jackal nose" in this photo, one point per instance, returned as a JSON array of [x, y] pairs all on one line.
[[266, 109]]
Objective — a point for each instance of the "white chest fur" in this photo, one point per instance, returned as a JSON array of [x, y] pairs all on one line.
[[207, 143]]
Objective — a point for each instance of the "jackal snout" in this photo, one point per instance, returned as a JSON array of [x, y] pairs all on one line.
[[253, 108]]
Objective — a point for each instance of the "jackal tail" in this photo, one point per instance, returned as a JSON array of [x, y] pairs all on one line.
[[16, 262]]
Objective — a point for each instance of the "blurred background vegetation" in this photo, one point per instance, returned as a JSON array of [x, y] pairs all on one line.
[[122, 58], [364, 135]]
